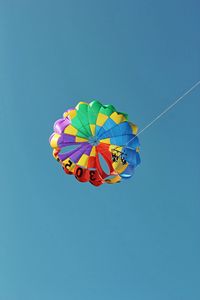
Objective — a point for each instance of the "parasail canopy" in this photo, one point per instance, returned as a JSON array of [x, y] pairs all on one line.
[[93, 137]]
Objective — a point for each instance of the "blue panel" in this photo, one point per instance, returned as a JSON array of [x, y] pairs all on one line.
[[128, 172], [98, 128], [107, 126], [116, 141], [133, 142], [132, 157], [120, 129]]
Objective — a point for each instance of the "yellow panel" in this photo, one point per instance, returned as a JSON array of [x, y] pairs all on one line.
[[72, 168], [119, 167], [117, 118], [72, 114], [83, 161], [101, 119], [93, 151], [106, 141], [70, 130], [92, 128], [79, 139], [114, 179], [115, 147], [68, 164], [137, 149], [134, 128], [54, 140]]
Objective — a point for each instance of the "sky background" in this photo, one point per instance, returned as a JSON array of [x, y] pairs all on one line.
[[60, 239]]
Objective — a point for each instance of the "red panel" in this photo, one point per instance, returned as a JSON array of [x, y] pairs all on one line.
[[67, 171], [81, 174], [92, 162], [95, 178], [103, 149]]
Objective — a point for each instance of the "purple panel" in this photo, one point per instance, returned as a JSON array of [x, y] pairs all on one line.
[[64, 156], [85, 149], [88, 149], [60, 125], [66, 140], [76, 153]]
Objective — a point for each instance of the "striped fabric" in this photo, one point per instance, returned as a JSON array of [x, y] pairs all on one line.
[[93, 137]]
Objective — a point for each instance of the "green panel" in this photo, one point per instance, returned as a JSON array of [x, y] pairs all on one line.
[[93, 110], [107, 110], [82, 134], [81, 119], [79, 126]]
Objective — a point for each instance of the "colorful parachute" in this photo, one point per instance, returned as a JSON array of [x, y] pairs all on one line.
[[93, 137]]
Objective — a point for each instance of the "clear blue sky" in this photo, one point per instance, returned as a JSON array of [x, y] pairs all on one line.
[[60, 239]]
